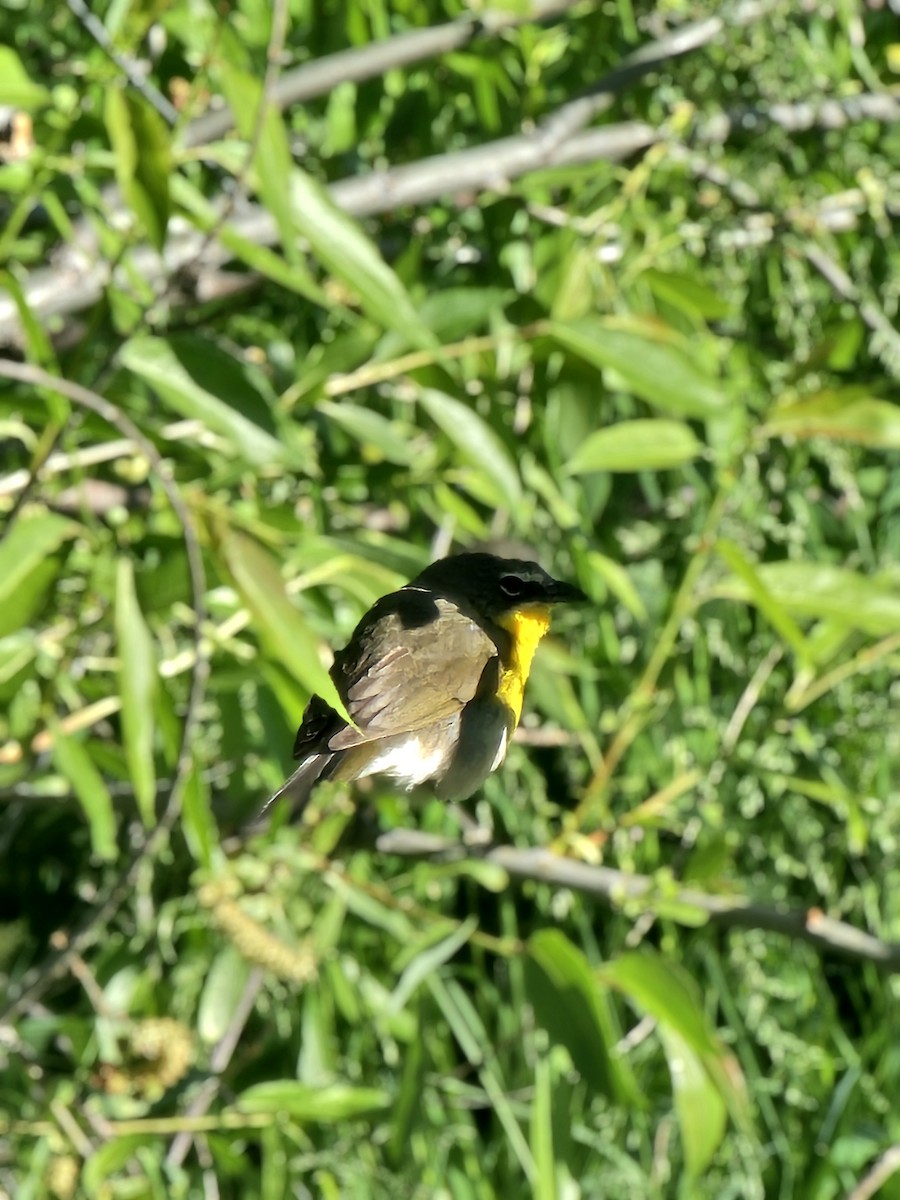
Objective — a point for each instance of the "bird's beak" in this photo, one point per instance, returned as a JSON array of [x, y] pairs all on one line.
[[565, 593]]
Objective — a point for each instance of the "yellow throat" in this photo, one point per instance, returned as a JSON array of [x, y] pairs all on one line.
[[527, 627]]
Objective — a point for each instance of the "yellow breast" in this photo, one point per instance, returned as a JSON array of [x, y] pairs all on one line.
[[527, 627]]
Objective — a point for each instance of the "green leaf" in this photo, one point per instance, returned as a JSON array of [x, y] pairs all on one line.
[[734, 557], [477, 444], [112, 1156], [291, 273], [702, 1068], [282, 626], [687, 293], [619, 582], [344, 250], [842, 416], [197, 822], [333, 1103], [16, 89], [820, 591], [222, 991], [197, 379], [541, 1135], [428, 961], [570, 1004], [655, 368], [272, 158], [636, 446], [700, 1109], [75, 764], [24, 550], [143, 159], [391, 439], [138, 681]]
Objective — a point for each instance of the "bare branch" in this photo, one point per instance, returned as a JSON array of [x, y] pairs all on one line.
[[542, 866], [126, 65], [320, 77]]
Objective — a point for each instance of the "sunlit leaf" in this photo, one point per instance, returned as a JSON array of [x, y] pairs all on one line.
[[820, 591], [335, 1102], [138, 681], [24, 551], [654, 369], [843, 416], [476, 441], [636, 446], [281, 623], [143, 158], [16, 89], [197, 379]]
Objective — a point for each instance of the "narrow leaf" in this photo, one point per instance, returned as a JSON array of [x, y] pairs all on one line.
[[636, 446], [75, 764], [336, 1102], [664, 991], [16, 89], [842, 416], [428, 961], [281, 624], [26, 546], [143, 159], [768, 604], [137, 686], [821, 591], [477, 443], [570, 1004], [197, 379], [656, 369]]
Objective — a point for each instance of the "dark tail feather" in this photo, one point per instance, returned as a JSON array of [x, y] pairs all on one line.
[[298, 787]]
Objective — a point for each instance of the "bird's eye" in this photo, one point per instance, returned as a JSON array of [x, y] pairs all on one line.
[[512, 586]]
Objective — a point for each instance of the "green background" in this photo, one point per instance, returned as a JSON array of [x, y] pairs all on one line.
[[320, 350]]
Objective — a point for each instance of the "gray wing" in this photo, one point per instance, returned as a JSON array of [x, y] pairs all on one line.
[[406, 676]]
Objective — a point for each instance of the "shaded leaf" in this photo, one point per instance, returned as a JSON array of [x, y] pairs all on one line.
[[197, 379], [76, 765], [143, 158], [636, 446], [138, 681], [654, 368], [24, 549], [570, 1004]]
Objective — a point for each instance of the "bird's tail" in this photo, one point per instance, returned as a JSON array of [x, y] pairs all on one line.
[[298, 787]]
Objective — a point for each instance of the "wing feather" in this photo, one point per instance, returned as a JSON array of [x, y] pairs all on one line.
[[405, 673]]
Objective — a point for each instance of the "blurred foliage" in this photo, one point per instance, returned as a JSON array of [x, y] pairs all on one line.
[[655, 375]]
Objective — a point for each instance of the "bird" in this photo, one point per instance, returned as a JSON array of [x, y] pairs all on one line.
[[433, 679]]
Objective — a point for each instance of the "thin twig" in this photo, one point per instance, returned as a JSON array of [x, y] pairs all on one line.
[[542, 866], [126, 65], [877, 1177], [219, 1060], [38, 979]]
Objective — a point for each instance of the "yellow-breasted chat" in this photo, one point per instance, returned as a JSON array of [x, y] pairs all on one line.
[[433, 679]]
